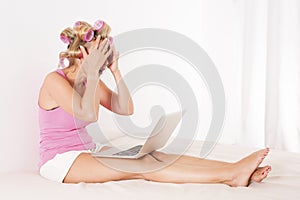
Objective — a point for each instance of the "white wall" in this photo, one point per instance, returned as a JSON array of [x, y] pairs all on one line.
[[30, 46]]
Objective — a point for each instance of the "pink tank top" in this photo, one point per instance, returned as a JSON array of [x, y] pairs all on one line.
[[61, 132]]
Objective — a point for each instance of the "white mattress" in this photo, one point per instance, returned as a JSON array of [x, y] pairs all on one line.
[[283, 182]]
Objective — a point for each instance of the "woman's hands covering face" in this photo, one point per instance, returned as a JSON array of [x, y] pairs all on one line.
[[93, 61]]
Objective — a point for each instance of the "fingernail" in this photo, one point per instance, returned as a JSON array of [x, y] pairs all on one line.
[[263, 173]]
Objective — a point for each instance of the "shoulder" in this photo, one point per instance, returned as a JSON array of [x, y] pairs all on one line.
[[53, 75], [54, 79]]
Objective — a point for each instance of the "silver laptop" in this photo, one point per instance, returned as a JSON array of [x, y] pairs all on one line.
[[156, 140]]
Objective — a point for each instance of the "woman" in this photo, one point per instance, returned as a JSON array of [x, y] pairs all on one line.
[[69, 100]]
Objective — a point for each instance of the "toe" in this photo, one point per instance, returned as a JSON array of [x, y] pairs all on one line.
[[266, 151], [259, 174]]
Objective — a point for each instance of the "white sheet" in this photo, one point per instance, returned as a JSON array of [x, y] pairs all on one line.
[[283, 182]]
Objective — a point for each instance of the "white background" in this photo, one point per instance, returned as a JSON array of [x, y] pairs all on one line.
[[30, 47]]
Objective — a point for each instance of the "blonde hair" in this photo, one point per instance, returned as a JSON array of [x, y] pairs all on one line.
[[75, 38]]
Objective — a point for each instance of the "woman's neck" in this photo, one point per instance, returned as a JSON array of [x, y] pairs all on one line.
[[72, 72]]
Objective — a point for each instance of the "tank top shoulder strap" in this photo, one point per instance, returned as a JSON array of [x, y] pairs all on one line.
[[60, 71]]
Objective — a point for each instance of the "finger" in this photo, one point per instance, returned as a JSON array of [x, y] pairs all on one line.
[[95, 45], [107, 53], [98, 41], [103, 44], [83, 51], [106, 48]]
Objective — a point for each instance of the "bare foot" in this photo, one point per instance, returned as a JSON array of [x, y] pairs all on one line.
[[243, 169], [260, 173]]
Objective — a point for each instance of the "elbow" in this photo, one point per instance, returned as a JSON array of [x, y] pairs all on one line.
[[129, 113], [130, 110], [91, 117], [94, 119], [124, 111]]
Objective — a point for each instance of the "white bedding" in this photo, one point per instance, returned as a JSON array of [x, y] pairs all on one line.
[[282, 183]]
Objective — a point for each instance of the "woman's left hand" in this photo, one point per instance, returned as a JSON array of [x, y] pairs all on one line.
[[113, 59]]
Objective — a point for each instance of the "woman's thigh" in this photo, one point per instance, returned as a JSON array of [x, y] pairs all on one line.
[[89, 169]]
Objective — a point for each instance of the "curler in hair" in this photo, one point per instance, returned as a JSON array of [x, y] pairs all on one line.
[[88, 36], [64, 38], [67, 36], [78, 23], [98, 25], [64, 62]]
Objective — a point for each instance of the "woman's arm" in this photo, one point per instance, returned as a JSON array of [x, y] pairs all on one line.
[[81, 107], [120, 103], [85, 108]]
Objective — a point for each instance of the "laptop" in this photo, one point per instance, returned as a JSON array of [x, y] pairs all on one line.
[[156, 139]]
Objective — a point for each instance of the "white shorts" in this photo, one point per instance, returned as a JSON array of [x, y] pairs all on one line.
[[57, 168]]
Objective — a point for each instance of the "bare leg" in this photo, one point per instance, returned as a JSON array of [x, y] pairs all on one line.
[[257, 176], [88, 169], [185, 159], [241, 171]]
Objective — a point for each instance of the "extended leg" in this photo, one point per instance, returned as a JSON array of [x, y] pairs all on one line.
[[236, 174], [258, 175], [89, 169]]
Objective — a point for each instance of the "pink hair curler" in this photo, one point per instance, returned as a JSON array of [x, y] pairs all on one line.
[[64, 62], [65, 39], [78, 23], [98, 25], [88, 36]]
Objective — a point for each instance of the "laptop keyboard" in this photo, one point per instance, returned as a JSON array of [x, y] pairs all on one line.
[[129, 152]]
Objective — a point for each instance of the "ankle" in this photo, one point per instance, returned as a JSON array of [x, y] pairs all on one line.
[[230, 175]]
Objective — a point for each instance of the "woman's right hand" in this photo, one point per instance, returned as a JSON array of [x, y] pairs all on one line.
[[98, 54]]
